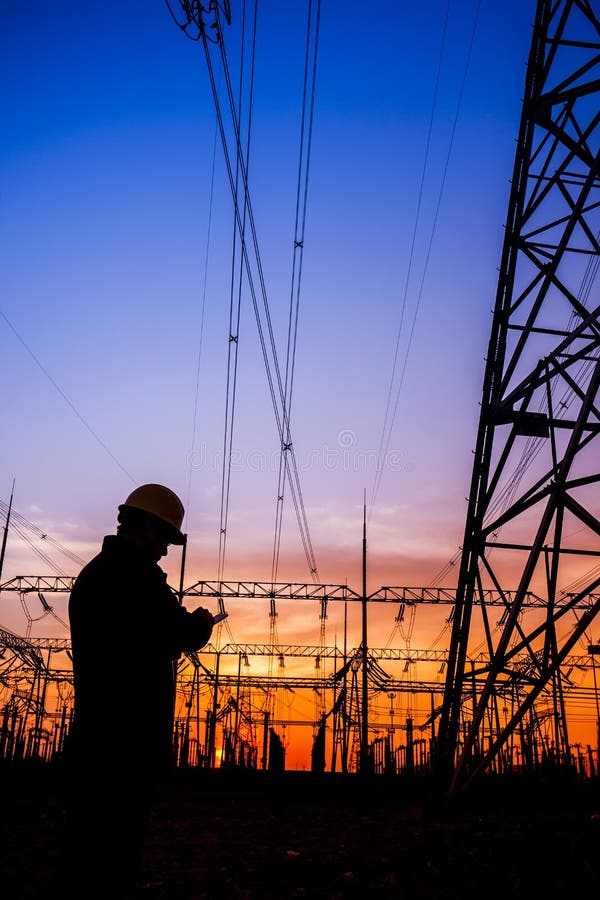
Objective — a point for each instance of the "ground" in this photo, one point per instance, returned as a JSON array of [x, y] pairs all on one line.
[[251, 835]]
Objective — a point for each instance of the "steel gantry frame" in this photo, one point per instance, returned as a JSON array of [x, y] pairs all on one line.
[[28, 723], [532, 517], [25, 671], [322, 593]]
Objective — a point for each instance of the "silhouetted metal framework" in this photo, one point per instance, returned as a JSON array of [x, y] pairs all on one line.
[[532, 518], [27, 678], [31, 685], [255, 590], [323, 593]]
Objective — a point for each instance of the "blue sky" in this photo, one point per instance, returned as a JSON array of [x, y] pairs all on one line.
[[106, 183]]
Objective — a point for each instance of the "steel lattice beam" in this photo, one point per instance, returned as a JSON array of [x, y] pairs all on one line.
[[24, 584]]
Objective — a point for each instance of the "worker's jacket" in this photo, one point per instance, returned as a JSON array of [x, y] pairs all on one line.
[[127, 628]]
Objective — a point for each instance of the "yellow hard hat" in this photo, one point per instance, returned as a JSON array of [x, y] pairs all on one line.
[[161, 502]]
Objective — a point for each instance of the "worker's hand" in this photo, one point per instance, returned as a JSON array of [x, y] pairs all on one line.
[[199, 624], [205, 616]]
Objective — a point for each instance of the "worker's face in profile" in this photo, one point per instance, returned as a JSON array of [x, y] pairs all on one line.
[[157, 543]]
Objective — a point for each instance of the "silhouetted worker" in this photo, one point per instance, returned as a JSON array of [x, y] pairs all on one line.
[[127, 629]]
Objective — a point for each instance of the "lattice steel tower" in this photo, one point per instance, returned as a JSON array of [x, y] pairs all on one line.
[[533, 512]]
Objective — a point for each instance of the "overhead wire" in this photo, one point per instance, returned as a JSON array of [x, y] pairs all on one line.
[[280, 418], [531, 450], [81, 418], [389, 420], [18, 521], [386, 442], [534, 445], [37, 550], [235, 302], [202, 313], [47, 611], [193, 11], [297, 259], [379, 465], [272, 368]]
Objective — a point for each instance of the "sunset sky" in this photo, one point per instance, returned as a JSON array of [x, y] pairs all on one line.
[[117, 264], [111, 304]]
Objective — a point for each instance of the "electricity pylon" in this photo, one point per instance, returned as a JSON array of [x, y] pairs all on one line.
[[532, 518]]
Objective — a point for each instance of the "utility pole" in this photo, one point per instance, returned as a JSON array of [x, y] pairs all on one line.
[[212, 734], [5, 534], [365, 766], [535, 488]]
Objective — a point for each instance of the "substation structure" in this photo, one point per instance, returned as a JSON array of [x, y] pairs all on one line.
[[533, 516], [255, 705], [502, 695]]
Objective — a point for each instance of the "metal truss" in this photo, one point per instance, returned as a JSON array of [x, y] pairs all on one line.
[[13, 642], [227, 590], [25, 584], [320, 683], [299, 650], [534, 502], [23, 648], [29, 649], [28, 684], [268, 591]]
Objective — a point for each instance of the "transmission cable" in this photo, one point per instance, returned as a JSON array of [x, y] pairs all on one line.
[[297, 258], [20, 523], [533, 446], [531, 450], [410, 262], [203, 307], [427, 258], [47, 611], [36, 549], [235, 304], [84, 421], [386, 440], [280, 416], [282, 419]]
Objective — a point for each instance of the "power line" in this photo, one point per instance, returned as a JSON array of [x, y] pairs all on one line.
[[202, 311], [23, 523], [84, 421], [391, 421], [235, 302], [410, 263], [269, 350], [23, 528], [297, 258]]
